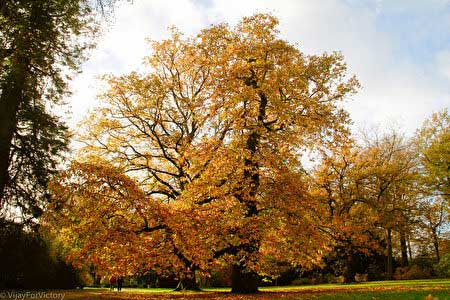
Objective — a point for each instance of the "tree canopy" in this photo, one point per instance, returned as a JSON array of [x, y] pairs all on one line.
[[208, 135], [433, 144]]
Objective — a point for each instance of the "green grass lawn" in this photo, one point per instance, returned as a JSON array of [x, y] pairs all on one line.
[[438, 289]]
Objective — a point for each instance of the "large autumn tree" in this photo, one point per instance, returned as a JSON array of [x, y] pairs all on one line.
[[213, 132]]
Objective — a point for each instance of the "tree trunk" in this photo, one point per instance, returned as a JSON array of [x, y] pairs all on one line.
[[188, 280], [404, 248], [189, 283], [12, 95], [389, 266], [243, 282], [10, 99], [349, 275], [435, 243], [97, 280], [409, 247]]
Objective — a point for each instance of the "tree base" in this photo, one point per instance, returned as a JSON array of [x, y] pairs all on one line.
[[243, 282], [187, 284]]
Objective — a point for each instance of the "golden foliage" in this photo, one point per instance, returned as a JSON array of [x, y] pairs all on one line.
[[205, 147]]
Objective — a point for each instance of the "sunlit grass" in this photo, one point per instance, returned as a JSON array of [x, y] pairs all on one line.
[[439, 289], [443, 294], [419, 284], [365, 285]]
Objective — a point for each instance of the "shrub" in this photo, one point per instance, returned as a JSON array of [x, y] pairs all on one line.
[[29, 262], [443, 266], [338, 279], [413, 272], [303, 281], [400, 273], [361, 277]]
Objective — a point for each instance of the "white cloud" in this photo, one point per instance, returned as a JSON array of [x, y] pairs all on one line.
[[123, 46], [443, 63], [394, 88]]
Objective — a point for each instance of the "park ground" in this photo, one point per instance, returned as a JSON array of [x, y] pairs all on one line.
[[438, 289]]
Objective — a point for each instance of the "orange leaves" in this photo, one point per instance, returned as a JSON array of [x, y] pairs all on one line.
[[102, 216], [198, 160]]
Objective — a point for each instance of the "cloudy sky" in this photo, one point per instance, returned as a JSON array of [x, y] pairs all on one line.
[[398, 49]]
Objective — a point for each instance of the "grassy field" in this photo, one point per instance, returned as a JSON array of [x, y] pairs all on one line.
[[383, 290]]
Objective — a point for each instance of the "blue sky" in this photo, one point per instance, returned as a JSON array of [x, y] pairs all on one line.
[[420, 31], [398, 49]]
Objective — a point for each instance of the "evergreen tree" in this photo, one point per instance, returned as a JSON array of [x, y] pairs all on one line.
[[42, 43]]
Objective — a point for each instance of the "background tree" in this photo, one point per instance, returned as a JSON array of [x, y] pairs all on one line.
[[339, 183], [391, 187], [433, 144], [434, 217], [40, 46], [215, 128]]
